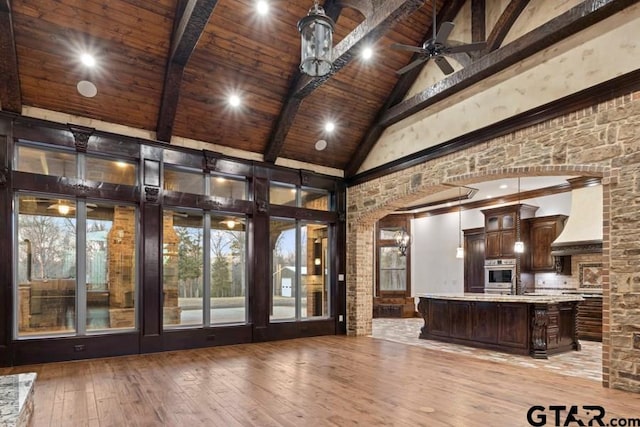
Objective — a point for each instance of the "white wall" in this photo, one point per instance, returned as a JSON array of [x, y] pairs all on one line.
[[434, 266]]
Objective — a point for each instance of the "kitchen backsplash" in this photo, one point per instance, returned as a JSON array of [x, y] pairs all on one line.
[[585, 276]]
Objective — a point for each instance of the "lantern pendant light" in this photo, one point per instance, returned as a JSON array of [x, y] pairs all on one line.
[[316, 31], [402, 240]]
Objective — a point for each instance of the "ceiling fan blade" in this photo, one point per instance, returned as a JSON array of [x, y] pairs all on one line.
[[461, 58], [398, 46], [412, 65], [444, 65], [443, 32], [465, 47]]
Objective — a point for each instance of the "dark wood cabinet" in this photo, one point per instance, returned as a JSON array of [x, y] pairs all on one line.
[[485, 322], [522, 325], [500, 226], [542, 232], [474, 260], [513, 330], [590, 318], [439, 318], [493, 245], [460, 319]]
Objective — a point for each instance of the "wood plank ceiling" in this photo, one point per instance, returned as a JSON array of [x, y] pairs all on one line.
[[145, 82], [168, 66]]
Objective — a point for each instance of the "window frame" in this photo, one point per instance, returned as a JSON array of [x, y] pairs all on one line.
[[297, 285], [206, 320], [81, 308], [392, 222]]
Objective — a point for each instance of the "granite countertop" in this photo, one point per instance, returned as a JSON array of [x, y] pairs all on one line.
[[585, 293], [504, 298], [16, 398]]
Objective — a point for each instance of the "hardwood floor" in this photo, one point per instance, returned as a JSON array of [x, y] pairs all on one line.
[[322, 381]]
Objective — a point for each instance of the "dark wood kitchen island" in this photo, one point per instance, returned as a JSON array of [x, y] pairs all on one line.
[[523, 324]]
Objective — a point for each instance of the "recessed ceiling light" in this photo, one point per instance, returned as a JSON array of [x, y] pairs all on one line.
[[87, 89], [88, 60], [234, 100], [262, 7], [321, 144], [503, 186], [329, 126], [367, 53]]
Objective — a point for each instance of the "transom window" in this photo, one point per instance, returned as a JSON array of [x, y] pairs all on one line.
[[41, 160], [290, 195], [197, 182]]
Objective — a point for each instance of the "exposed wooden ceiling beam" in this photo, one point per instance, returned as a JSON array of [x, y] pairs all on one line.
[[382, 19], [504, 24], [365, 7], [574, 20], [447, 13], [10, 96], [478, 20], [191, 19]]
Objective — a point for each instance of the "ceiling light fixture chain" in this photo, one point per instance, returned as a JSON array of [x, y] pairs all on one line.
[[519, 245], [460, 249]]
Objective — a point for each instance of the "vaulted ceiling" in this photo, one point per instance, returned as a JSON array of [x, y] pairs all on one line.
[[169, 66]]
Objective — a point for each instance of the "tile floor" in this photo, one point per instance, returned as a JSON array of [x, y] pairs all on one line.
[[586, 363]]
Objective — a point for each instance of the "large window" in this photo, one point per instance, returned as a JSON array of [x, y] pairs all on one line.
[[300, 270], [393, 270], [75, 266], [393, 267], [204, 268], [228, 249]]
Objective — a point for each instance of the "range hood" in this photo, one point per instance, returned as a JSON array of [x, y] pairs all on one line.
[[582, 233]]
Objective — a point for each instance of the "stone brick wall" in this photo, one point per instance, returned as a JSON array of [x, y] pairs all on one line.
[[601, 140]]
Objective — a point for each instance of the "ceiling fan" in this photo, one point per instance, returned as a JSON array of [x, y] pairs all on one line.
[[437, 47]]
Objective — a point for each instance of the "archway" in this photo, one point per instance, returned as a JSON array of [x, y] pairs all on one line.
[[415, 184]]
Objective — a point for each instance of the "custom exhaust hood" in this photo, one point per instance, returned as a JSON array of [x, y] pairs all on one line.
[[582, 233]]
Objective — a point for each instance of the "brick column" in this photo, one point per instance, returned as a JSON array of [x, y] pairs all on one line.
[[359, 278]]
